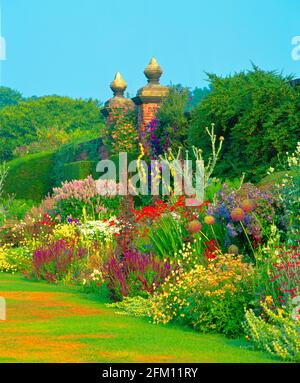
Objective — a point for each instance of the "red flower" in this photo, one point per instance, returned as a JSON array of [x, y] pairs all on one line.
[[212, 248], [180, 201]]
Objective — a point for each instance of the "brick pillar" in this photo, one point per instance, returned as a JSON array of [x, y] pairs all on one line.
[[148, 98], [146, 113]]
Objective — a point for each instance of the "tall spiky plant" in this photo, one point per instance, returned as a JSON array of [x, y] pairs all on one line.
[[202, 169]]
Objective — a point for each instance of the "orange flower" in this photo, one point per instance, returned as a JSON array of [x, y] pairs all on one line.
[[194, 226], [209, 220], [248, 205], [237, 214]]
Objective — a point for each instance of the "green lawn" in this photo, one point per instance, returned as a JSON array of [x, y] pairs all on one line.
[[50, 323]]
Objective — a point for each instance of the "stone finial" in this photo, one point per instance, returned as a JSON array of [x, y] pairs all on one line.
[[118, 101], [118, 85], [153, 71]]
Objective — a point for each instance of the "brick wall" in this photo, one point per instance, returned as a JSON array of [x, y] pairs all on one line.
[[147, 112]]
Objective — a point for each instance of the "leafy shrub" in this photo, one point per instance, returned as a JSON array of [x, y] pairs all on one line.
[[120, 134], [15, 209], [15, 259], [5, 265], [215, 186], [258, 114], [289, 191], [274, 178], [276, 332], [52, 262], [210, 299], [134, 274], [132, 306], [30, 177]]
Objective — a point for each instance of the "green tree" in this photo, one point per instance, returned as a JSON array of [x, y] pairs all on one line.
[[172, 118], [9, 96], [257, 112], [22, 124], [196, 96]]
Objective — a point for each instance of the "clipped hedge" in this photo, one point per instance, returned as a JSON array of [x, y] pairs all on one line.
[[79, 170], [30, 177], [88, 151]]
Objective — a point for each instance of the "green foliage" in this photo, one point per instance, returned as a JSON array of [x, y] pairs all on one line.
[[196, 96], [14, 259], [170, 128], [3, 175], [132, 306], [30, 177], [215, 185], [165, 236], [20, 258], [13, 209], [21, 123], [275, 332], [9, 97], [276, 178], [79, 170], [121, 134], [173, 122], [210, 299], [286, 186], [258, 114], [54, 138]]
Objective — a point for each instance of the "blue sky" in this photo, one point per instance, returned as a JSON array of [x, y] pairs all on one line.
[[74, 47]]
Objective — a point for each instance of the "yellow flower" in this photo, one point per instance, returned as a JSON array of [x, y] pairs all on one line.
[[269, 299]]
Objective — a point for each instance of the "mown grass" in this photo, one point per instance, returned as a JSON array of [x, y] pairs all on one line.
[[54, 323]]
